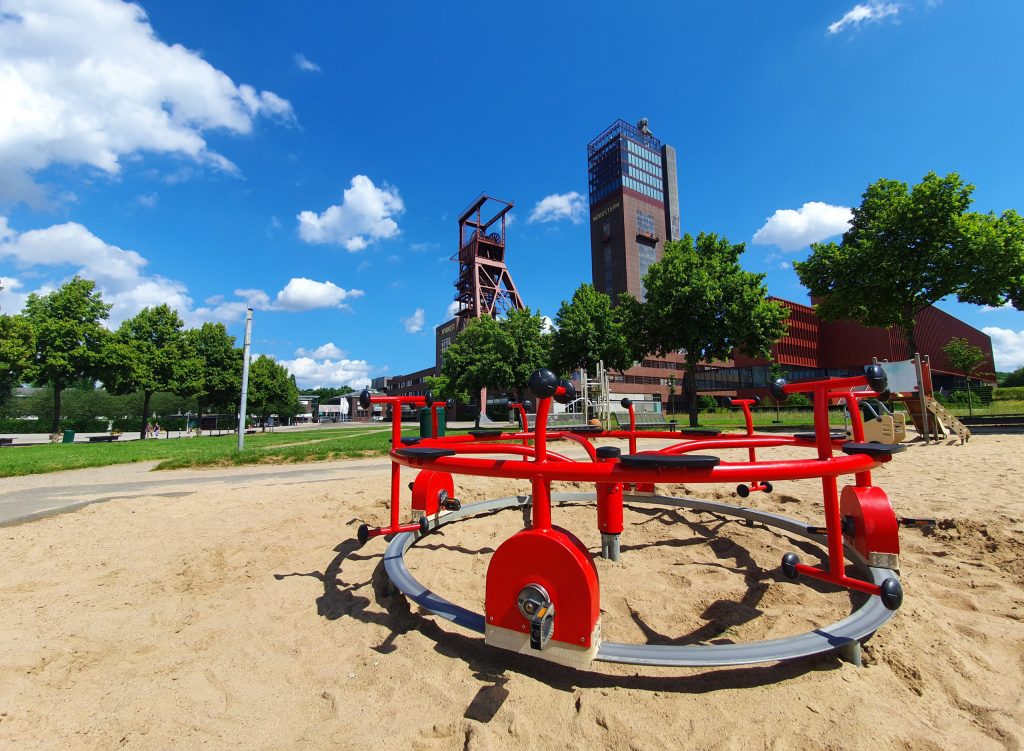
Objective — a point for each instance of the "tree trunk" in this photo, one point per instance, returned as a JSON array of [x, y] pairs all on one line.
[[970, 406], [908, 332], [145, 412], [57, 388], [691, 387]]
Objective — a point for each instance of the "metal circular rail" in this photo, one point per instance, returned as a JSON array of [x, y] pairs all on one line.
[[844, 634]]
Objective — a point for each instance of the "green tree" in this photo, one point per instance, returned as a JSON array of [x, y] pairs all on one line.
[[220, 366], [906, 249], [69, 337], [271, 390], [700, 301], [588, 330], [494, 353], [16, 347], [148, 353], [966, 358], [1016, 378]]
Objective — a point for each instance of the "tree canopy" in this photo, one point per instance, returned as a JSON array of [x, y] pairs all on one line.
[[69, 337], [700, 301], [588, 330], [17, 344], [494, 353], [271, 389], [906, 249], [150, 352], [221, 367]]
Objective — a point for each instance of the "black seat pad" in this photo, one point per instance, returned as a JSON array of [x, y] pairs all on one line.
[[814, 436], [424, 452], [489, 433], [678, 461], [583, 429], [873, 449], [700, 431], [410, 440]]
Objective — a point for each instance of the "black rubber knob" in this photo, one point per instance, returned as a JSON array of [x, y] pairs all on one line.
[[789, 562], [892, 594], [625, 402], [757, 400], [450, 404], [608, 452], [428, 398], [777, 390], [364, 399], [363, 534], [527, 405], [877, 379], [727, 402], [542, 383], [884, 395], [569, 392]]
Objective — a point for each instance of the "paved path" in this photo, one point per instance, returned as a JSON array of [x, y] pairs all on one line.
[[34, 496]]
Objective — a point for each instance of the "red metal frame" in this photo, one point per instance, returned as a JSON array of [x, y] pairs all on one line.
[[545, 552]]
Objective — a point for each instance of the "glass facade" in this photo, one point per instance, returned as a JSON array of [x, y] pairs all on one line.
[[644, 222], [623, 156], [647, 255]]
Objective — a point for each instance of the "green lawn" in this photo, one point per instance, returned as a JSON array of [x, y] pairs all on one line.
[[261, 448], [763, 419]]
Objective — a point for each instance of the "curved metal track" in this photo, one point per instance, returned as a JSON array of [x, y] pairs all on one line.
[[858, 626]]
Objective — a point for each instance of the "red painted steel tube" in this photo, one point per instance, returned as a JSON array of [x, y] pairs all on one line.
[[540, 429], [842, 580], [541, 516], [632, 429], [792, 469], [495, 448], [828, 383]]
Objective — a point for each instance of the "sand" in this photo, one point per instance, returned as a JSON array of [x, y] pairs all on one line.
[[245, 616]]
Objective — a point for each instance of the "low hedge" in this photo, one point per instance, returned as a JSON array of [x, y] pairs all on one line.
[[1008, 394]]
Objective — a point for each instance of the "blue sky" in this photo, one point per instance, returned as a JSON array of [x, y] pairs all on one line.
[[310, 158]]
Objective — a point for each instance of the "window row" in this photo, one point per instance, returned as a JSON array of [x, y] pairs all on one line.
[[644, 164], [641, 176], [640, 187], [641, 151], [644, 222]]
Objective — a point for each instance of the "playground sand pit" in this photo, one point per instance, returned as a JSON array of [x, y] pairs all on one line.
[[248, 617]]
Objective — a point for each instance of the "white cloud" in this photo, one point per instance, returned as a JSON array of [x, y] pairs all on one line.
[[147, 200], [11, 301], [1007, 347], [311, 373], [121, 277], [364, 215], [785, 266], [793, 229], [304, 63], [414, 323], [453, 308], [559, 206], [87, 83], [329, 351], [306, 294], [864, 12]]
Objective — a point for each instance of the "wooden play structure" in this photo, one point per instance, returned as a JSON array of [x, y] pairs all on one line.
[[910, 382]]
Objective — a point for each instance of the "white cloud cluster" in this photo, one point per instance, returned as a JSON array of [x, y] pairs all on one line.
[[87, 82], [329, 351], [793, 229], [365, 214], [121, 276], [311, 372], [305, 294], [862, 13], [304, 63], [559, 206], [1007, 347], [414, 323]]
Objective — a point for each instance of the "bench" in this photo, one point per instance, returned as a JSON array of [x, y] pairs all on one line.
[[645, 421], [566, 422], [103, 438], [6, 442]]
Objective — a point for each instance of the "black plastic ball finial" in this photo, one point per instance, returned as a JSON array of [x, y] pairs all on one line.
[[877, 380], [727, 402], [789, 563], [527, 405], [777, 390], [450, 404], [626, 402], [428, 398], [570, 392], [892, 593], [757, 400], [542, 383], [364, 399]]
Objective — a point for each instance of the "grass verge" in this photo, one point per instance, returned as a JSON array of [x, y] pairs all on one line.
[[261, 448]]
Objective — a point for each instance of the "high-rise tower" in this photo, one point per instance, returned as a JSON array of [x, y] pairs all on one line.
[[634, 205]]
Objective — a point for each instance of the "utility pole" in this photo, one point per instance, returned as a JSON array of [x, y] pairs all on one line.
[[245, 378]]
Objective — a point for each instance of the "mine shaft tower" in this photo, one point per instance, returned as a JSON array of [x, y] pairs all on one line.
[[484, 286]]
